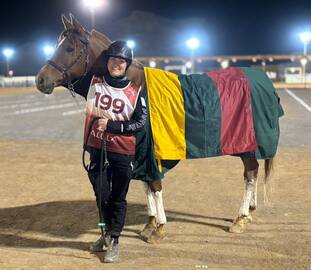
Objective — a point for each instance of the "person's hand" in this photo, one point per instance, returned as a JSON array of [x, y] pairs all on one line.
[[102, 124]]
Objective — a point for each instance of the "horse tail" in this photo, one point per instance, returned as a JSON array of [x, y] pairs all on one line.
[[269, 166]]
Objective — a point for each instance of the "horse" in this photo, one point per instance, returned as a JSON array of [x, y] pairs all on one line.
[[79, 51]]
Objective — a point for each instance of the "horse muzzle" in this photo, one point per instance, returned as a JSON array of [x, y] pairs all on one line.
[[44, 84]]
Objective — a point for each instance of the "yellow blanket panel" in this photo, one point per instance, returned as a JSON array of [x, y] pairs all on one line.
[[167, 114]]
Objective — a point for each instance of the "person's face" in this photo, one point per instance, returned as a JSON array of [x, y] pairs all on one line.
[[116, 66]]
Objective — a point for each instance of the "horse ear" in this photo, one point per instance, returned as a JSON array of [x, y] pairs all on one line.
[[66, 22], [76, 24]]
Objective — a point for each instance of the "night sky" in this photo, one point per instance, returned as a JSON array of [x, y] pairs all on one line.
[[231, 26]]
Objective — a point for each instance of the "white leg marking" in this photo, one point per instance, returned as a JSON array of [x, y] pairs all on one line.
[[151, 205], [248, 194], [161, 217], [253, 203]]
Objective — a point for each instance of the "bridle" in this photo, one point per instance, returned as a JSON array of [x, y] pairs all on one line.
[[85, 40]]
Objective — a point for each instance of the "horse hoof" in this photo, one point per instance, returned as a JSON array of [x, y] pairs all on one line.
[[147, 231], [237, 228], [248, 219], [156, 236], [239, 225]]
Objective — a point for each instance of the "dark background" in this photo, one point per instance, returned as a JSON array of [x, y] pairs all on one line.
[[159, 27]]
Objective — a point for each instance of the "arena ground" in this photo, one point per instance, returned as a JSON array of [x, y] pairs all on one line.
[[48, 216]]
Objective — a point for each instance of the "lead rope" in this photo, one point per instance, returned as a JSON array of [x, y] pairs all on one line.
[[71, 85], [73, 94], [102, 169]]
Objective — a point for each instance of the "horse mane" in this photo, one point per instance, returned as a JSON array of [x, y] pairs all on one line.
[[100, 44], [102, 37]]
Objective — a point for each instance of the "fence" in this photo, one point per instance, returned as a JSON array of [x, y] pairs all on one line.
[[25, 81]]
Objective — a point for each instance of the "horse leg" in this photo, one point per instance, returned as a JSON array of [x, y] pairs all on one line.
[[253, 203], [250, 196], [250, 193], [152, 213], [157, 232]]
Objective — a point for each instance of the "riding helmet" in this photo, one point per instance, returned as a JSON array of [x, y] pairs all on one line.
[[120, 49]]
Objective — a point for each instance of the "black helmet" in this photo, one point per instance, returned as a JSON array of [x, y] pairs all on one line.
[[120, 49]]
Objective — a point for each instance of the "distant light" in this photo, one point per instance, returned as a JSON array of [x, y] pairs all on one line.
[[271, 59], [303, 61], [305, 37], [234, 60], [11, 72], [48, 50], [93, 4], [152, 64], [193, 43], [292, 70], [263, 63], [224, 63], [131, 43], [8, 53], [254, 59], [189, 64]]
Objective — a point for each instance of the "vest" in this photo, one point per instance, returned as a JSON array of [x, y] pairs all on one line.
[[117, 104]]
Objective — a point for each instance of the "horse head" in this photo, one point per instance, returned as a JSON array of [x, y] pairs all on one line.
[[76, 52]]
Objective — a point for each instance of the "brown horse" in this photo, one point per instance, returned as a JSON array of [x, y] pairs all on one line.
[[77, 52]]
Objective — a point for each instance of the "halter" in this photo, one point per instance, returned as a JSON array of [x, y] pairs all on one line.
[[85, 40]]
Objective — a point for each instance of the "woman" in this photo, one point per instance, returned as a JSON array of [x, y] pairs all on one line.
[[115, 111]]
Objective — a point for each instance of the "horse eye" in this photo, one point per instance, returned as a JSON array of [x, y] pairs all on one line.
[[69, 49]]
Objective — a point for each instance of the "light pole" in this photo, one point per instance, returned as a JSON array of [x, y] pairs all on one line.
[[192, 43], [8, 53], [93, 5], [305, 38], [304, 62]]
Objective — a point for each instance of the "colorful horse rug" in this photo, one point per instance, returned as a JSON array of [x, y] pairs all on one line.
[[233, 111]]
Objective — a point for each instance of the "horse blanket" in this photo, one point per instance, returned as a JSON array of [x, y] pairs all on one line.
[[230, 111]]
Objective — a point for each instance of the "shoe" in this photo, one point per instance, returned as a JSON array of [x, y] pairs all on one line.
[[112, 253], [100, 244]]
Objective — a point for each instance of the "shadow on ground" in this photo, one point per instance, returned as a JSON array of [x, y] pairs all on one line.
[[70, 219]]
